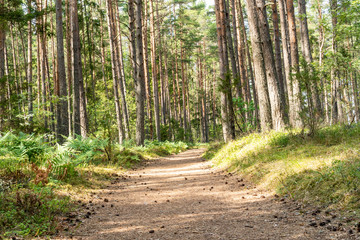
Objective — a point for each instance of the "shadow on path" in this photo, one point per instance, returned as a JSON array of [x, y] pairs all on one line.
[[181, 197]]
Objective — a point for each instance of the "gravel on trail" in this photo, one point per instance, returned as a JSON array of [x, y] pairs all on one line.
[[182, 197]]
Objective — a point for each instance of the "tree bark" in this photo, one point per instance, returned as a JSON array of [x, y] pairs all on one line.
[[2, 68], [62, 108], [147, 72], [154, 71], [260, 75], [120, 70], [223, 83], [277, 111], [69, 67], [79, 112], [138, 66], [114, 69], [294, 87], [278, 61]]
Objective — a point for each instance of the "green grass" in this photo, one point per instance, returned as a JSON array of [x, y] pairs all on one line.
[[75, 168], [323, 169]]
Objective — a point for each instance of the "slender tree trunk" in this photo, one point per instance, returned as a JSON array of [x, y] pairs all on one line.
[[355, 96], [295, 105], [138, 66], [69, 67], [102, 52], [79, 112], [114, 68], [2, 68], [277, 111], [183, 88], [214, 101], [278, 60], [29, 68], [154, 71], [223, 61], [260, 75], [286, 55], [120, 70], [177, 76], [241, 51], [231, 51], [167, 94], [249, 77], [146, 71], [161, 73], [15, 65], [62, 106]]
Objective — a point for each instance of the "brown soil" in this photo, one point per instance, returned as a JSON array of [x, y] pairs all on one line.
[[182, 197]]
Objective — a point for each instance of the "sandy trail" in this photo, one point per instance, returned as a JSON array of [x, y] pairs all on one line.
[[181, 197]]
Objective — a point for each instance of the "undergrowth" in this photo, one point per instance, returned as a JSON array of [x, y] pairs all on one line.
[[323, 169], [37, 176]]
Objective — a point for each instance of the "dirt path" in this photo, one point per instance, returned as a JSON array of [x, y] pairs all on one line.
[[181, 197]]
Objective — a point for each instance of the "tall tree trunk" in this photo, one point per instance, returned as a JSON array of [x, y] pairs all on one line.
[[286, 54], [228, 45], [29, 67], [138, 65], [250, 77], [294, 86], [42, 62], [241, 51], [69, 67], [120, 70], [224, 71], [62, 106], [2, 68], [114, 68], [167, 94], [146, 71], [355, 95], [183, 88], [278, 60], [154, 71], [260, 75], [102, 52], [214, 101], [15, 65], [161, 73], [277, 111], [79, 101]]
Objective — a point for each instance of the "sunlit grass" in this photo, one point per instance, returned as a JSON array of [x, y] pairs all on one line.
[[323, 169]]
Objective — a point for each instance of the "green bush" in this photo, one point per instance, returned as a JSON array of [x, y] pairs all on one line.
[[30, 211]]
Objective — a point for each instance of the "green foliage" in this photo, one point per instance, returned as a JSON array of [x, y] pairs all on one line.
[[24, 146], [242, 108], [30, 211], [27, 209], [309, 78], [321, 169]]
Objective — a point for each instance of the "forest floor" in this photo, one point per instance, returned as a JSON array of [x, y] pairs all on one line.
[[182, 197]]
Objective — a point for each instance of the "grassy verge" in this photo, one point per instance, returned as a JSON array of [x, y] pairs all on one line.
[[40, 181], [323, 170]]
